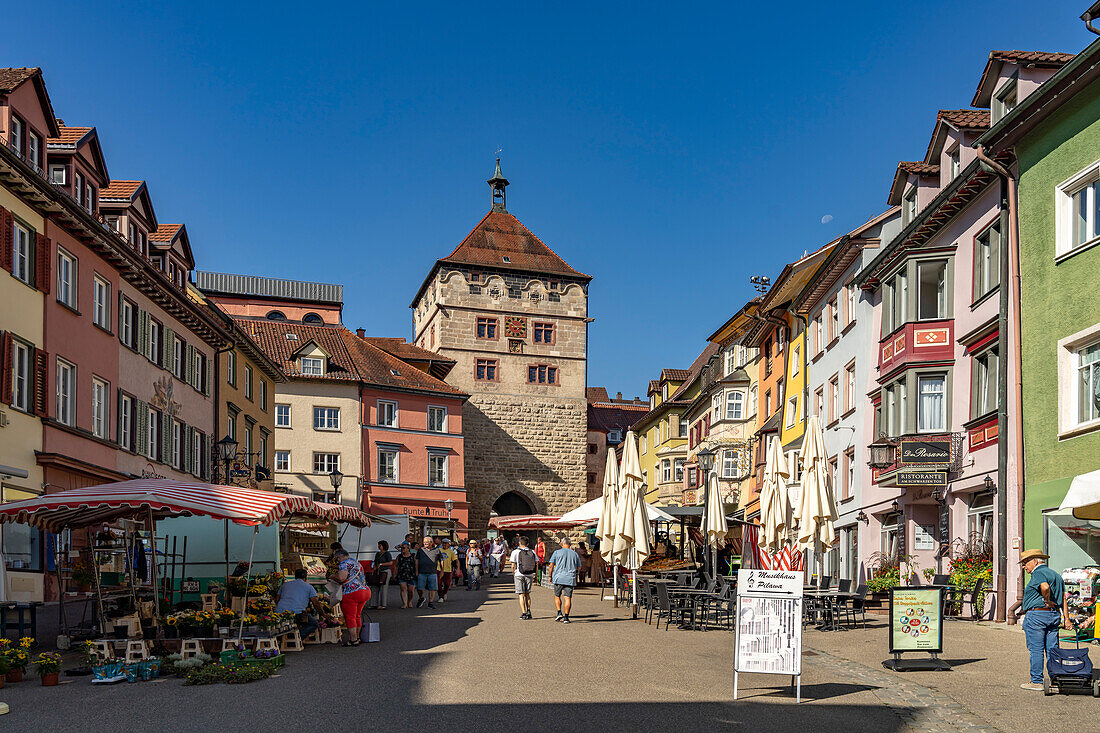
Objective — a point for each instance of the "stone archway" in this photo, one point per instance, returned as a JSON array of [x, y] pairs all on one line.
[[512, 503]]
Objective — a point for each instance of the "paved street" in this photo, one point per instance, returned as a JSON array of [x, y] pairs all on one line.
[[472, 663]]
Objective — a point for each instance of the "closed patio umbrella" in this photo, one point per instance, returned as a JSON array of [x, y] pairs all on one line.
[[605, 529], [775, 508], [715, 526], [634, 538], [816, 510]]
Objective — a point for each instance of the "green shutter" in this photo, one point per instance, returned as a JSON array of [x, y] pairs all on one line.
[[120, 321], [166, 438], [139, 424], [166, 348], [209, 377], [188, 368], [143, 333]]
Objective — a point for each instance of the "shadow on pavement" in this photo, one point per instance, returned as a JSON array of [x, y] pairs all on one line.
[[825, 690]]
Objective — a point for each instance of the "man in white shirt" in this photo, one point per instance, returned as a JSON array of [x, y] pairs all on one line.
[[524, 563]]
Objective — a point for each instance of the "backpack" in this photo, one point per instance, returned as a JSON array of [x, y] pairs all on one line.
[[527, 562], [1069, 662]]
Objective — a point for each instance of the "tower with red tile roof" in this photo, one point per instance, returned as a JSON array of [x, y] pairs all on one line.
[[514, 318]]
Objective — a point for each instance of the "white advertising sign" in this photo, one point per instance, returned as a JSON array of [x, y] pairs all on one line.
[[769, 622], [785, 583]]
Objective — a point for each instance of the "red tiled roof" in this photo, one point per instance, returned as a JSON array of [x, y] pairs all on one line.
[[1040, 58], [499, 235], [12, 78], [676, 375], [121, 190], [402, 349], [696, 367], [69, 135], [919, 168], [614, 417], [968, 119], [597, 394], [350, 358], [165, 233], [654, 385]]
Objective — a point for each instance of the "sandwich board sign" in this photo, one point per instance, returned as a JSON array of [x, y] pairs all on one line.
[[916, 625], [769, 625]]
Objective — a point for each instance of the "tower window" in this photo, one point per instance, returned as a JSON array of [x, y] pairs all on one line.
[[275, 316]]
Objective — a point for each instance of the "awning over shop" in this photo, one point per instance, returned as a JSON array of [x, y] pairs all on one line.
[[1083, 496], [347, 514], [164, 498]]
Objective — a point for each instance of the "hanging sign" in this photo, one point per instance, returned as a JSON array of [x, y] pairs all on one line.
[[918, 452], [922, 478], [769, 624]]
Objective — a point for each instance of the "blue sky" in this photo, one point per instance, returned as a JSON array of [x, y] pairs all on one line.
[[669, 150]]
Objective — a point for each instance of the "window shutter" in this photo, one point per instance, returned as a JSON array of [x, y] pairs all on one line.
[[42, 259], [118, 419], [7, 353], [189, 367], [166, 349], [166, 428], [41, 400], [140, 426], [143, 333], [209, 380], [119, 311], [6, 244], [185, 448]]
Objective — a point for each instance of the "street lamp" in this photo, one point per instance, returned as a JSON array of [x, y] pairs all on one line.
[[336, 478], [706, 459], [225, 450], [883, 453], [988, 483], [449, 505]]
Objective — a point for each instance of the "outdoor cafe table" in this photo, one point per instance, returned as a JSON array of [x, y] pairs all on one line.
[[692, 594], [829, 595]]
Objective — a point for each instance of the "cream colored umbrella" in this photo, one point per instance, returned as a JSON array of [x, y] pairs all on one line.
[[816, 510], [715, 526], [775, 508], [634, 538], [605, 528]]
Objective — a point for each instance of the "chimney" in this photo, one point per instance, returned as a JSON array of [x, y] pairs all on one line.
[[618, 395], [361, 333]]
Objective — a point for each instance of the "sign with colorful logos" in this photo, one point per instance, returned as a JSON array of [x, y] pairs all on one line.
[[916, 620], [922, 478], [921, 452]]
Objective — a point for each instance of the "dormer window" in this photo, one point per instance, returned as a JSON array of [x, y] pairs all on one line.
[[954, 161], [507, 259], [17, 132], [909, 206], [313, 318], [78, 188], [395, 373], [290, 336], [34, 150], [313, 366], [277, 316], [1006, 98], [59, 176]]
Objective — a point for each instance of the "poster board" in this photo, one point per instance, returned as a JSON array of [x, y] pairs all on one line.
[[916, 620], [769, 624]]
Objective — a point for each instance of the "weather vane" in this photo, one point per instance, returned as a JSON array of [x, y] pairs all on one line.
[[499, 150]]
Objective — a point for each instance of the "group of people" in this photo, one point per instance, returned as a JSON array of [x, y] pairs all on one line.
[[563, 567]]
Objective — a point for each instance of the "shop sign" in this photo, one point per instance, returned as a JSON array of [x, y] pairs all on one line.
[[916, 620], [769, 624], [921, 452], [189, 586], [922, 478]]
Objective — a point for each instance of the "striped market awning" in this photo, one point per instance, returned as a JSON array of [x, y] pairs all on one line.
[[165, 497], [531, 521], [340, 513]]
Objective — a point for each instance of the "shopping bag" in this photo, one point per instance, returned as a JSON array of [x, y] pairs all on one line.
[[371, 631]]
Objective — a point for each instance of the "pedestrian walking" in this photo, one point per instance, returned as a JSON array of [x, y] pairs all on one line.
[[447, 568], [540, 553], [563, 567], [586, 563], [406, 575], [1045, 611], [461, 549], [383, 569], [496, 555], [524, 563], [474, 558], [429, 561], [354, 594]]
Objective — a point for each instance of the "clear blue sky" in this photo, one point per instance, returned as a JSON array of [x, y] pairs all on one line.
[[671, 150]]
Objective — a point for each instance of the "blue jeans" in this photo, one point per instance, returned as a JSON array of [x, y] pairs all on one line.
[[1041, 633], [307, 628], [473, 576]]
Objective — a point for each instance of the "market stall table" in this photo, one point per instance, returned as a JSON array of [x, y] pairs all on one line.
[[21, 609]]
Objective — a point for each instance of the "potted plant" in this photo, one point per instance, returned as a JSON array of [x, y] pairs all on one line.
[[83, 574], [48, 665], [17, 656]]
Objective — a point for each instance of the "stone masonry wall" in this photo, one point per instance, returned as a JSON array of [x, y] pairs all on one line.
[[534, 446]]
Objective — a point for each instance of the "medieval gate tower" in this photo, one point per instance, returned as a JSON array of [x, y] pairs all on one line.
[[514, 316]]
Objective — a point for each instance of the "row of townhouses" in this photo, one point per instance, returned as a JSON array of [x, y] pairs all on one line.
[[950, 346], [117, 362]]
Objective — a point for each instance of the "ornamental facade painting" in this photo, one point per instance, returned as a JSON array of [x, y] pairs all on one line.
[[515, 327]]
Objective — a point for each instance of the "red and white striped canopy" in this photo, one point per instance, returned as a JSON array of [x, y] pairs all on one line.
[[341, 513], [165, 497], [531, 521]]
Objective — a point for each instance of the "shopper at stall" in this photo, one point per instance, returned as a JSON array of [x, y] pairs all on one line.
[[474, 557], [383, 568], [354, 594], [1044, 607], [298, 596], [540, 553], [563, 567], [406, 574], [429, 561], [524, 564], [447, 568]]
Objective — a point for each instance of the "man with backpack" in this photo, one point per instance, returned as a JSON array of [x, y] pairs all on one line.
[[525, 563]]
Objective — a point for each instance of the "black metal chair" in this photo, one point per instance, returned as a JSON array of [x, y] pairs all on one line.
[[825, 580], [667, 607], [941, 580], [843, 586], [975, 593], [854, 605]]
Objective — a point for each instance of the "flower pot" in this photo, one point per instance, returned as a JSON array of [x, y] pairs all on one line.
[[14, 675], [84, 587], [49, 679]]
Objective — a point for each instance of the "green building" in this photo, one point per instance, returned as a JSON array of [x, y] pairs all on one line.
[[1052, 139]]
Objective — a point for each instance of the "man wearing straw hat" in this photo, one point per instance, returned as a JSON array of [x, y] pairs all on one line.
[[1044, 606]]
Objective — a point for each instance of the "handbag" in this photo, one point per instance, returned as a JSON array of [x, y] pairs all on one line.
[[371, 631]]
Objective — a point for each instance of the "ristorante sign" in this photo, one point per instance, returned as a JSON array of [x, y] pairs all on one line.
[[925, 452]]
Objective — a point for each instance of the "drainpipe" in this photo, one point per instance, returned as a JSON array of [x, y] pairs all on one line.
[[1009, 277], [805, 366]]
